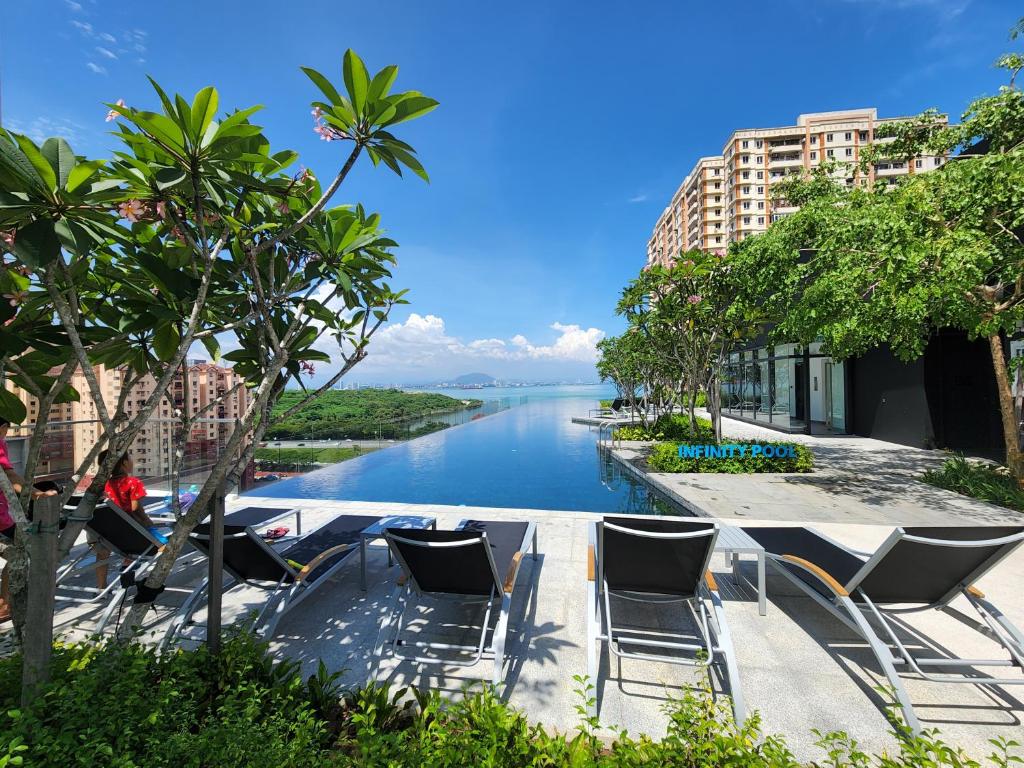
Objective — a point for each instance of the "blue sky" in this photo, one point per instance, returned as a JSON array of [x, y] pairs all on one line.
[[564, 127]]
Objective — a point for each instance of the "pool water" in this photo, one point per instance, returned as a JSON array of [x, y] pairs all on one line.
[[531, 456]]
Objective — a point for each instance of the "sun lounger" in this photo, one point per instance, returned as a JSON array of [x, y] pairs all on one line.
[[290, 575], [478, 563], [915, 569], [659, 562]]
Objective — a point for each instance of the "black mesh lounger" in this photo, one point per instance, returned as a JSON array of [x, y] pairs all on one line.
[[290, 575], [914, 569], [660, 562], [476, 563]]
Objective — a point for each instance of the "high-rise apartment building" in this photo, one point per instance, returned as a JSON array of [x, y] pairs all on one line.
[[731, 194], [215, 394]]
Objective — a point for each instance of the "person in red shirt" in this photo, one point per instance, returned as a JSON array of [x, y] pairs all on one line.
[[127, 492]]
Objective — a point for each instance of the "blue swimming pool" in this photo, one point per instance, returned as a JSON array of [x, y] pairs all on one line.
[[530, 456]]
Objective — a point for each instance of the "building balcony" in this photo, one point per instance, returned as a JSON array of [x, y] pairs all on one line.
[[786, 145], [785, 161], [890, 169]]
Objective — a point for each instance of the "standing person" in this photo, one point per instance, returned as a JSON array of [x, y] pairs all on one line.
[[127, 492], [7, 526]]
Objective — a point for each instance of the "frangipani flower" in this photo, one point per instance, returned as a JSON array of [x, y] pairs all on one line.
[[282, 207], [694, 299], [114, 114], [131, 210]]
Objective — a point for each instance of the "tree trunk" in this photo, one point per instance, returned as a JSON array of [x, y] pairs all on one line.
[[715, 409], [42, 583], [1011, 438]]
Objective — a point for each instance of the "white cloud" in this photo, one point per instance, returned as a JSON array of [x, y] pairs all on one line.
[[423, 340], [41, 128], [105, 52], [641, 198], [82, 26], [75, 7], [107, 37], [94, 67]]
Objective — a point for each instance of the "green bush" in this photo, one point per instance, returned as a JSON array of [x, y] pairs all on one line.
[[664, 457], [125, 706], [669, 427], [979, 480]]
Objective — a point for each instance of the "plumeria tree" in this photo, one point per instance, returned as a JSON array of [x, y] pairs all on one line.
[[685, 312], [193, 232], [855, 268]]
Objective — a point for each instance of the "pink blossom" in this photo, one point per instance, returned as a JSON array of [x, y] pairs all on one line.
[[131, 210], [307, 367], [324, 132], [114, 114], [8, 237], [304, 176], [282, 207], [161, 209], [16, 298], [317, 113], [694, 299]]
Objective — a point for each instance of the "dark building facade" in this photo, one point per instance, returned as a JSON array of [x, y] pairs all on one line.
[[945, 399]]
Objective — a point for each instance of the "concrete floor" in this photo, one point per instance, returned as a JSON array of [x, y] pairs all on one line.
[[799, 668]]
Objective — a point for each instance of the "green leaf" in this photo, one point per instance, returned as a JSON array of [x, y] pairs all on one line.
[[81, 173], [212, 346], [43, 169], [357, 80], [11, 407], [37, 244], [60, 157], [407, 159], [165, 341], [411, 107], [382, 83], [324, 85], [168, 177], [168, 106], [204, 108]]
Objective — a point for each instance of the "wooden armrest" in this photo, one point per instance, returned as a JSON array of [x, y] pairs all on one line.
[[591, 563], [513, 567], [975, 592], [312, 565], [709, 577], [820, 572]]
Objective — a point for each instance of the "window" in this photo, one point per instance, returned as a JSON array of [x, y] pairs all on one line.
[[746, 219], [814, 139], [829, 152], [938, 161], [759, 159], [760, 205], [814, 155], [745, 144], [760, 219], [718, 198], [745, 158], [718, 239], [759, 143], [863, 135], [718, 185], [746, 174], [746, 190], [849, 152], [746, 205], [718, 171], [760, 174], [828, 137], [849, 136], [919, 163]]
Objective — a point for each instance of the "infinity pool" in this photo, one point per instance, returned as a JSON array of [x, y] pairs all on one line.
[[530, 456]]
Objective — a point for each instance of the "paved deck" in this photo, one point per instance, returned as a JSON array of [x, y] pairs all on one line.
[[799, 668]]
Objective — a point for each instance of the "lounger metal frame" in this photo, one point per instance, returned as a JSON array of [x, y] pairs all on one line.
[[855, 609], [408, 588], [117, 589], [284, 595], [714, 636]]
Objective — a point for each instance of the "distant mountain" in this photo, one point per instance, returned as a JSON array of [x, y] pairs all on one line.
[[474, 379]]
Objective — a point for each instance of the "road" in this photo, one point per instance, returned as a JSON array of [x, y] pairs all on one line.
[[315, 444]]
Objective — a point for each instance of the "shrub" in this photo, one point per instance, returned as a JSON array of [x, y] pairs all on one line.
[[979, 480], [664, 457], [668, 427], [127, 707]]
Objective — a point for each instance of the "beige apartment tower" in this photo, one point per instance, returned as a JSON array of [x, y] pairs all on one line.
[[752, 160]]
